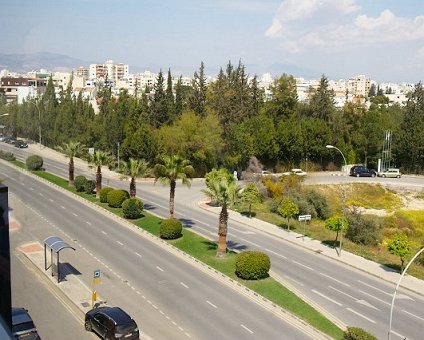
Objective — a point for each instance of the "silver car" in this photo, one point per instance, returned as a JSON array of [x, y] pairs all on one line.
[[390, 173]]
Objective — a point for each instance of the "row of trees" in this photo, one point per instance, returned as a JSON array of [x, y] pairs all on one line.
[[225, 122]]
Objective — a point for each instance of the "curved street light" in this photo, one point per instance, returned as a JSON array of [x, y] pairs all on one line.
[[397, 286], [329, 146]]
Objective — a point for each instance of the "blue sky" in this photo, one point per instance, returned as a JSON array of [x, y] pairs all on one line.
[[383, 39]]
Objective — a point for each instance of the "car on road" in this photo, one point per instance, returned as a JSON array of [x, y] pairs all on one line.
[[362, 171], [297, 172], [20, 144], [111, 323], [390, 173], [22, 325], [9, 139]]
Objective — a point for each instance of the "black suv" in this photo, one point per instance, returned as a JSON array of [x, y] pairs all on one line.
[[22, 325], [111, 323], [362, 171]]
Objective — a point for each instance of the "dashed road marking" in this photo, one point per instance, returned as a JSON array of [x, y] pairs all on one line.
[[332, 278], [183, 284], [415, 316], [120, 243], [303, 265], [210, 303], [361, 315], [326, 297], [247, 329], [88, 222], [159, 268], [138, 254], [273, 252]]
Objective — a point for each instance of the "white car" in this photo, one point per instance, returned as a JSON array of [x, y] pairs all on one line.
[[391, 172], [297, 172]]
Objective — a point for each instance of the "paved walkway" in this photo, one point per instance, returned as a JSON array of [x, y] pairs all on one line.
[[358, 262]]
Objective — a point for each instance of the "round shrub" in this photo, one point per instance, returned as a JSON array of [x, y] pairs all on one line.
[[252, 265], [89, 186], [116, 197], [356, 333], [171, 228], [103, 194], [132, 208], [7, 156], [34, 162], [80, 183]]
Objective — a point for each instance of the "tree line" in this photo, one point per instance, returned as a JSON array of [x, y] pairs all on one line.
[[224, 122]]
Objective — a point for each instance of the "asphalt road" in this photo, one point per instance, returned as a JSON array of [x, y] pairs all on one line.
[[52, 315], [354, 297], [168, 297]]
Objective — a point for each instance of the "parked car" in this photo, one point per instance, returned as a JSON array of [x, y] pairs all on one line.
[[9, 139], [22, 325], [362, 171], [111, 323], [20, 144], [391, 172], [297, 172]]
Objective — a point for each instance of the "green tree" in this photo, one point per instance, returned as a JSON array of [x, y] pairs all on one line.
[[288, 209], [225, 193], [134, 168], [159, 114], [71, 150], [284, 99], [337, 224], [170, 104], [399, 245], [321, 102], [173, 168], [251, 195], [198, 97], [99, 159]]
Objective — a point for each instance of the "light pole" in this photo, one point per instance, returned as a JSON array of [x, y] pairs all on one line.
[[397, 286], [329, 146]]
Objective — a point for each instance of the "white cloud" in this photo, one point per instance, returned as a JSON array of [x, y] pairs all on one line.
[[331, 25]]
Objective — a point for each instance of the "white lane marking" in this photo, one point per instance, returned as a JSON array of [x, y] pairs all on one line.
[[399, 335], [247, 232], [377, 289], [51, 200], [88, 222], [75, 214], [138, 254], [366, 303], [183, 284], [416, 316], [372, 296], [40, 194], [120, 243], [32, 189], [341, 292], [247, 329], [159, 268], [210, 303], [361, 315], [332, 278], [255, 244], [326, 297], [300, 264], [104, 233], [273, 252], [62, 207]]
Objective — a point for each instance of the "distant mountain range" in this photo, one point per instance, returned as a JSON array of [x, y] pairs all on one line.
[[60, 62], [36, 61]]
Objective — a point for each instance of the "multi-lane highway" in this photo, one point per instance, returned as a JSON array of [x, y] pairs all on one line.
[[354, 297], [168, 297]]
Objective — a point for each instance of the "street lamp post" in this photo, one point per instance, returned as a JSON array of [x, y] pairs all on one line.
[[328, 146], [397, 286]]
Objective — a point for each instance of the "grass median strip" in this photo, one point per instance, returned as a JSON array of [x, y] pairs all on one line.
[[205, 250]]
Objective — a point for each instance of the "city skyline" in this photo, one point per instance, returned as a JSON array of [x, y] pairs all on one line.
[[338, 38]]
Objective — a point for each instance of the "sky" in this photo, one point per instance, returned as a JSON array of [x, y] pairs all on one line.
[[383, 39]]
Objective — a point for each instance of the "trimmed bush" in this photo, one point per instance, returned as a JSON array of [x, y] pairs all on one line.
[[34, 162], [356, 333], [116, 197], [103, 194], [171, 228], [7, 156], [132, 208], [89, 186], [363, 229], [80, 182], [252, 265]]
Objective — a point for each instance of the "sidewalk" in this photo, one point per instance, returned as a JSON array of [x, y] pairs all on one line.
[[409, 282]]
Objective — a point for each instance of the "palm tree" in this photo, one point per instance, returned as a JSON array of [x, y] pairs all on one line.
[[224, 193], [134, 168], [71, 150], [172, 169], [98, 159]]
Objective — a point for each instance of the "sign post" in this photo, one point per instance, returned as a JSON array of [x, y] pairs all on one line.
[[304, 218], [96, 279]]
